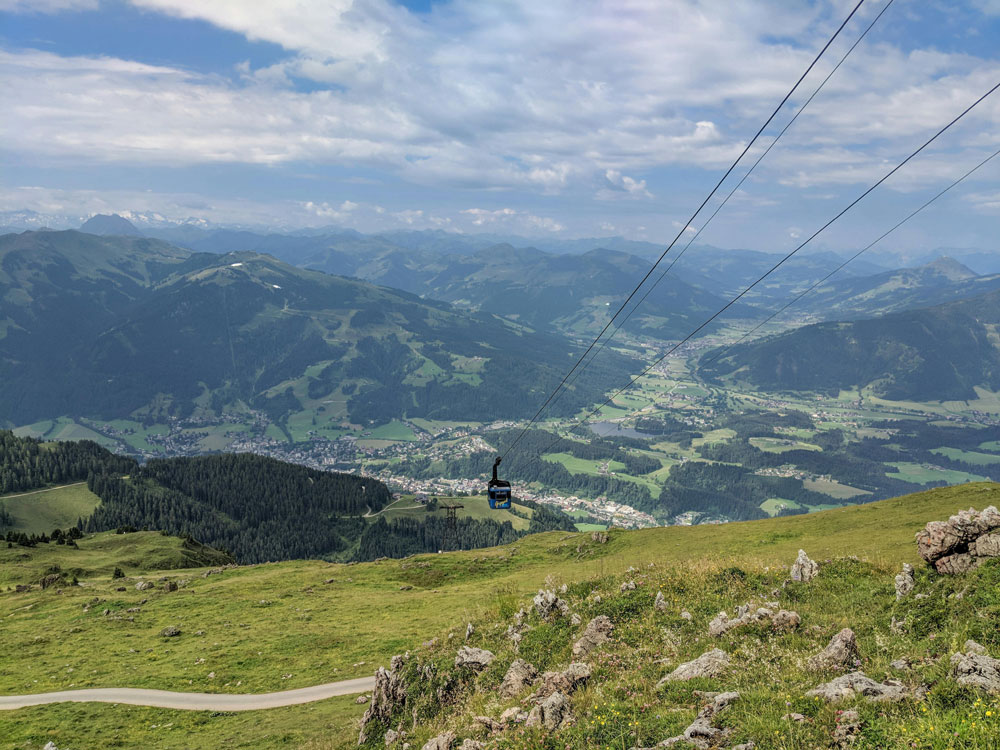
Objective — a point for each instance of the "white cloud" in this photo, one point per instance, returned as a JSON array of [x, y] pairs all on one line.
[[617, 183], [47, 6], [511, 220]]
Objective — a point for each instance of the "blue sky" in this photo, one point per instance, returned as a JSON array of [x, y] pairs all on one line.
[[563, 118]]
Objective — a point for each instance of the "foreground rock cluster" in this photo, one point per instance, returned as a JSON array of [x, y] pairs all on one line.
[[962, 542]]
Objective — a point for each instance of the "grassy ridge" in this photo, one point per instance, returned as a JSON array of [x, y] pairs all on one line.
[[287, 625], [37, 511]]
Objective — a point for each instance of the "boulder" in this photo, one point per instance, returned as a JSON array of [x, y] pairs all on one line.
[[513, 715], [944, 538], [786, 619], [388, 696], [842, 651], [975, 668], [710, 664], [170, 631], [169, 585], [441, 742], [552, 713], [804, 569], [598, 631], [519, 676], [476, 658], [144, 585], [858, 684], [746, 614], [563, 682], [468, 744], [660, 605], [988, 545], [627, 586], [53, 579], [904, 581], [685, 615], [361, 699]]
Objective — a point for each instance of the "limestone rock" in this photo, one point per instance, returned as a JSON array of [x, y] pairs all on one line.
[[361, 699], [547, 604], [597, 632], [842, 651], [975, 668], [660, 605], [601, 537], [468, 744], [476, 658], [700, 733], [988, 545], [627, 586], [685, 615], [710, 664], [490, 724], [513, 715], [169, 585], [391, 737], [50, 746], [944, 538], [953, 565], [53, 579], [170, 631], [563, 682], [519, 676], [847, 730], [441, 742], [144, 585], [804, 569], [388, 696], [786, 619], [469, 630], [858, 684], [904, 581], [552, 713]]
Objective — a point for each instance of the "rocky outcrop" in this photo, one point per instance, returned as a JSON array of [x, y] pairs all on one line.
[[954, 546], [548, 605], [563, 682], [804, 569], [842, 651], [441, 742], [601, 537], [973, 667], [552, 713], [53, 579], [388, 696], [475, 658], [710, 664], [700, 733], [857, 685], [746, 614], [519, 676], [598, 631], [904, 582]]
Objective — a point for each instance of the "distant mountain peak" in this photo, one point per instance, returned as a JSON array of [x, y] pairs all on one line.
[[950, 268], [110, 224]]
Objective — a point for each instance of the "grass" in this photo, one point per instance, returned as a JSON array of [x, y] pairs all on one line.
[[772, 505], [56, 508], [923, 474], [476, 507], [781, 445], [395, 430], [587, 466], [833, 488], [319, 621]]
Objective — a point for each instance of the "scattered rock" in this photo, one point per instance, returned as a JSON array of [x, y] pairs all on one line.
[[144, 585], [441, 742], [858, 684], [469, 630], [361, 699], [53, 579], [660, 605], [170, 586], [601, 537], [552, 713], [388, 695], [519, 676], [710, 664], [547, 604], [598, 631], [786, 619], [953, 545], [476, 658], [170, 631], [406, 587], [627, 586], [700, 733], [904, 581], [975, 668], [797, 718], [900, 665], [490, 724], [804, 569], [575, 619], [468, 744], [391, 737], [842, 651], [685, 615], [513, 715], [897, 627], [563, 682], [780, 619], [50, 746], [847, 730]]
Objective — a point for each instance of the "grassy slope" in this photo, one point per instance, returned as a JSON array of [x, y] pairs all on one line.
[[263, 622], [35, 512]]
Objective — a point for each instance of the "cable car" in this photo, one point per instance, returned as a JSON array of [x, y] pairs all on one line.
[[498, 490]]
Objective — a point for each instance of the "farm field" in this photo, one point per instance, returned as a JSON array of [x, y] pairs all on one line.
[[41, 511], [923, 474]]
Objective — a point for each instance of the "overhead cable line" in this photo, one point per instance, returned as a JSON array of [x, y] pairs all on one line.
[[722, 350], [725, 200], [780, 263], [684, 227]]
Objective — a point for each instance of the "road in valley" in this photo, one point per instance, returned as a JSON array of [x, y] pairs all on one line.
[[192, 701]]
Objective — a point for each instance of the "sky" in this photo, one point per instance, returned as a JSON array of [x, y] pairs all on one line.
[[562, 118]]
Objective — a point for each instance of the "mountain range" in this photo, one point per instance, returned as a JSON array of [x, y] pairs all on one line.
[[115, 326]]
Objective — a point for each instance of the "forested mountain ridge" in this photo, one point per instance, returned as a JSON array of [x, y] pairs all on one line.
[[111, 327], [934, 354]]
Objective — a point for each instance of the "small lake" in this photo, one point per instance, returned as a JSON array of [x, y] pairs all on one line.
[[612, 429]]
